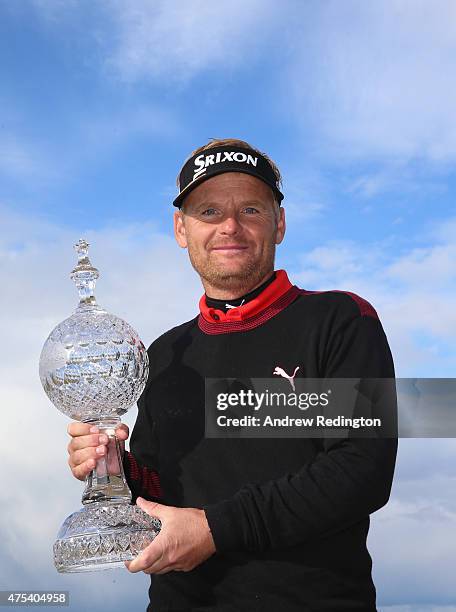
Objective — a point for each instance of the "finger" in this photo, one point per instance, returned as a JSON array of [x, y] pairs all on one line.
[[78, 429], [81, 456], [151, 508], [147, 558], [82, 442], [137, 565], [122, 432], [163, 567], [80, 471]]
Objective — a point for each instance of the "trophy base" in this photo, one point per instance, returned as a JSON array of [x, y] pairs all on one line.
[[102, 536]]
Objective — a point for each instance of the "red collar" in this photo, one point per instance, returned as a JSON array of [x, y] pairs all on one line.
[[266, 304]]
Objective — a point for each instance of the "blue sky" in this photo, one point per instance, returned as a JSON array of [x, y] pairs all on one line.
[[100, 104]]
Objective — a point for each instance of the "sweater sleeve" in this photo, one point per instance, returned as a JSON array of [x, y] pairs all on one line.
[[141, 462], [348, 479]]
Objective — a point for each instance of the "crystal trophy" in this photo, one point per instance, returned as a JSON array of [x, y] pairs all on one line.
[[94, 367]]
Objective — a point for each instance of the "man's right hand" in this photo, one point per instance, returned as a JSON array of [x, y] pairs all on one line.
[[87, 445]]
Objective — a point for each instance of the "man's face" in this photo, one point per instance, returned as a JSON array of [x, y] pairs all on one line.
[[230, 225]]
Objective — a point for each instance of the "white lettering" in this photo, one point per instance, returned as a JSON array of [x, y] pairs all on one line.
[[245, 421], [203, 161], [259, 399], [286, 421], [239, 157], [341, 421], [199, 161], [233, 399]]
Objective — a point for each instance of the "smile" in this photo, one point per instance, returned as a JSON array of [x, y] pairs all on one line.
[[230, 248]]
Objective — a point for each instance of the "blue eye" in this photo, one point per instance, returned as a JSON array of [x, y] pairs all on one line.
[[208, 211], [251, 208]]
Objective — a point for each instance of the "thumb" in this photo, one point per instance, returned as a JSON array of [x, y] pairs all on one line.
[[151, 508]]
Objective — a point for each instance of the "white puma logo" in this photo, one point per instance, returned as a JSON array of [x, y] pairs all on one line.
[[281, 372], [229, 305]]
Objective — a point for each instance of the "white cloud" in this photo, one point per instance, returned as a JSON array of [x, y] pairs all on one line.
[[375, 78], [414, 294], [176, 41], [305, 194], [367, 80], [412, 539], [164, 40], [435, 262], [399, 177]]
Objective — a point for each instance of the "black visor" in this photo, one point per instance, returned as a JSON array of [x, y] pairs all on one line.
[[225, 159]]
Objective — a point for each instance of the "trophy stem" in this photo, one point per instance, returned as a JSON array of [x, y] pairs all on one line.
[[107, 482]]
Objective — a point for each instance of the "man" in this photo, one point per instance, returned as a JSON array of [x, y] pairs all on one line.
[[250, 524]]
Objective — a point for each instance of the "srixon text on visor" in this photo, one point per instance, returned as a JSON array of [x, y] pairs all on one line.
[[203, 161]]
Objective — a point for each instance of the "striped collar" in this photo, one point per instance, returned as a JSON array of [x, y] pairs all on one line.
[[270, 301]]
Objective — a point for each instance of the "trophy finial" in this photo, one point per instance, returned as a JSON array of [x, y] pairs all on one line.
[[82, 247], [85, 276]]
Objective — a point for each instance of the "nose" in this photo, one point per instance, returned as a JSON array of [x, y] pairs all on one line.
[[230, 225]]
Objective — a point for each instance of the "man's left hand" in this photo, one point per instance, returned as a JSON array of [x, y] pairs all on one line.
[[184, 541]]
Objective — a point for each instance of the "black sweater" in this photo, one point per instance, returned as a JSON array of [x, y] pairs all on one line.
[[289, 517]]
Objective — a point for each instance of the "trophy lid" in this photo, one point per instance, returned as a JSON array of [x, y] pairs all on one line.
[[85, 276]]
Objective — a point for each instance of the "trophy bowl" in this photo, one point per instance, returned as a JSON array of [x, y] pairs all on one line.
[[93, 367]]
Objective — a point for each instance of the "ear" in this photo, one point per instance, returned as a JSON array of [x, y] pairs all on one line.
[[179, 229], [281, 226]]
